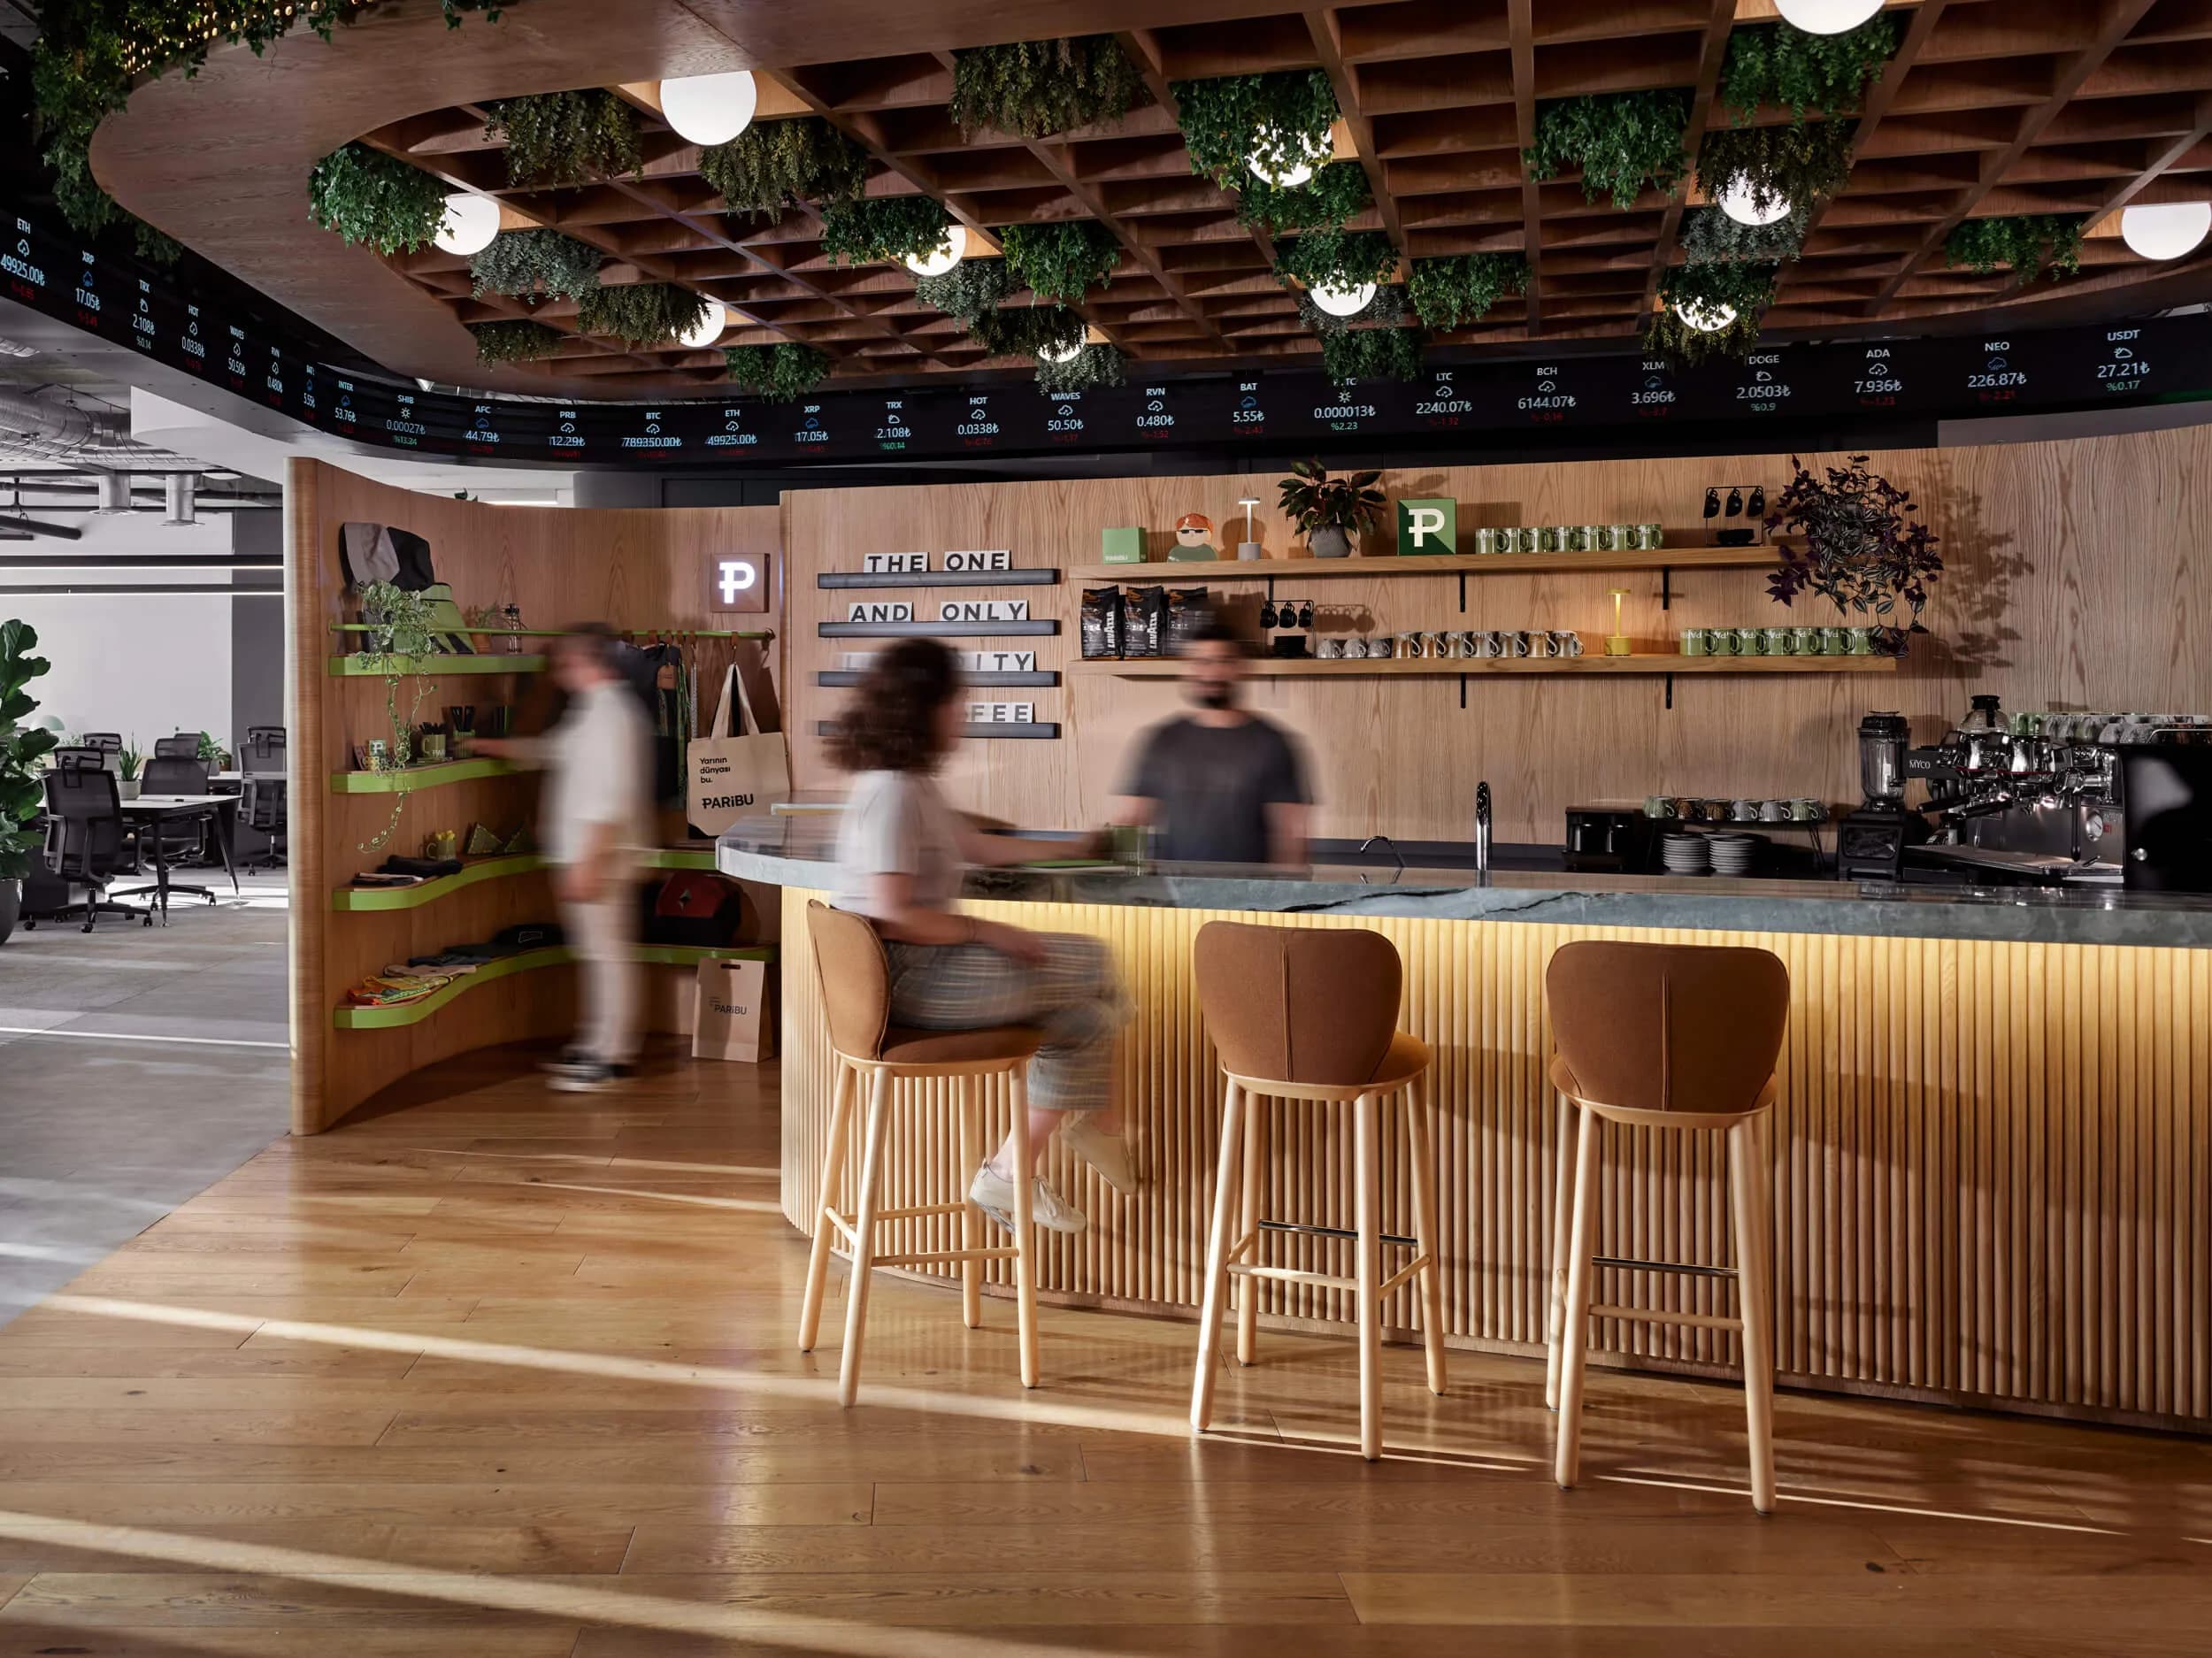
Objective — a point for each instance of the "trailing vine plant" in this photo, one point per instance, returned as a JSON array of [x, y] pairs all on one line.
[[1621, 141], [565, 137], [1035, 89], [1028, 330], [883, 227], [640, 314], [1710, 237], [1061, 263], [1744, 289], [400, 637], [774, 164], [1336, 193], [1341, 259], [1796, 164], [1452, 292], [1279, 120], [515, 339], [777, 372], [969, 289], [536, 265], [2032, 244], [1359, 354], [1094, 365], [375, 200], [1387, 307], [1777, 65]]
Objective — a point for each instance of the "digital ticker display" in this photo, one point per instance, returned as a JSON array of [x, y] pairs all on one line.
[[2002, 369]]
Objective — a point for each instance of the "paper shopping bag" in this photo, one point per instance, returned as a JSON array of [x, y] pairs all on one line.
[[730, 1020], [739, 767]]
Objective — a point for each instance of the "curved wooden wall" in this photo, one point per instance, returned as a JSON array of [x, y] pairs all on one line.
[[1992, 1174], [632, 569]]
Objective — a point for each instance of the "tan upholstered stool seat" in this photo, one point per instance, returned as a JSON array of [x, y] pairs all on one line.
[[902, 1046], [1408, 1058]]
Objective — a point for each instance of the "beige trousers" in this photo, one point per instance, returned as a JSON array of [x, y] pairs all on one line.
[[609, 979]]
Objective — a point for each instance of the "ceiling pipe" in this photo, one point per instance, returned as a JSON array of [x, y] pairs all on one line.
[[42, 429], [35, 527], [115, 493], [177, 491]]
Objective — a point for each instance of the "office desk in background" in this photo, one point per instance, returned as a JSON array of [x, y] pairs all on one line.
[[157, 811]]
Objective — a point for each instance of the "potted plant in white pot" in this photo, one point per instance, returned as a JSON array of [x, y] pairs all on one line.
[[22, 788], [1331, 511], [129, 764]]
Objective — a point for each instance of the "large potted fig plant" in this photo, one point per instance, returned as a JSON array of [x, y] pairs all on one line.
[[1862, 548], [1331, 511], [22, 789]]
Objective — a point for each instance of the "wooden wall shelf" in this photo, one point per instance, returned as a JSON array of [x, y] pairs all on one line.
[[838, 678], [413, 777], [496, 869], [1685, 556], [507, 967], [1046, 577], [1033, 627], [1287, 668], [356, 668], [983, 731]]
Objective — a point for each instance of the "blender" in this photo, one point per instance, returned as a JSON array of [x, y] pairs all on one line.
[[1871, 841]]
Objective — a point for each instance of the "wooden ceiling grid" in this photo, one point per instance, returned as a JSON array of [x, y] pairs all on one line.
[[1990, 106]]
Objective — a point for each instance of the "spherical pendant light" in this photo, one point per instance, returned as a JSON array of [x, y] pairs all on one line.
[[710, 109], [709, 328], [1704, 318], [1826, 16], [1287, 163], [1343, 302], [948, 254], [1066, 352], [471, 222], [1740, 203], [2167, 231]]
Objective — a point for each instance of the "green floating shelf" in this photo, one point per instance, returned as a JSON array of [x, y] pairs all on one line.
[[494, 869], [415, 777], [435, 667], [508, 966]]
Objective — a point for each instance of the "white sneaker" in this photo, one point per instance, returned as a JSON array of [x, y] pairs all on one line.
[[993, 1193], [1108, 1154]]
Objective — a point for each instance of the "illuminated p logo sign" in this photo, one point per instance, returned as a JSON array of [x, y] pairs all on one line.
[[1424, 522], [736, 584], [1428, 526]]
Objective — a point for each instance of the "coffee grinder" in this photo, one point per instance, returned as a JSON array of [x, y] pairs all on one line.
[[1870, 842]]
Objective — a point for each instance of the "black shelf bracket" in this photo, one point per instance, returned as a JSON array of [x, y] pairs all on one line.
[[1671, 690], [1462, 593], [1666, 586], [1463, 690]]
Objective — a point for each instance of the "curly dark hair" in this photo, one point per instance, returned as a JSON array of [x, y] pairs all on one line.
[[891, 723]]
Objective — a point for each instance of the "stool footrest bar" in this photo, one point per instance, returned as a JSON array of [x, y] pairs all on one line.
[[845, 1228], [1401, 1275], [1688, 1268], [1639, 1314], [1329, 1232], [920, 1210], [928, 1257], [1293, 1275]]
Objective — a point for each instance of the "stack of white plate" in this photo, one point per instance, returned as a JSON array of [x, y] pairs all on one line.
[[1687, 854], [1732, 854]]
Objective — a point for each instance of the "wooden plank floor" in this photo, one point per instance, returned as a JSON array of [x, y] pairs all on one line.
[[505, 1374]]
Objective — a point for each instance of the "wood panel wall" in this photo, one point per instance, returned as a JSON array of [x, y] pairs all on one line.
[[1992, 1174], [630, 569], [2075, 579]]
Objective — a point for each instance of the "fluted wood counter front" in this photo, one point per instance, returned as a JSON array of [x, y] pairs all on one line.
[[1993, 1169]]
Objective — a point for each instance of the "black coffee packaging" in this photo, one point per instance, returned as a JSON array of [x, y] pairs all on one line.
[[1144, 621], [1102, 621], [1188, 610]]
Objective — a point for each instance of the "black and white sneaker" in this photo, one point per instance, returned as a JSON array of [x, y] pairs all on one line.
[[567, 1059], [588, 1076]]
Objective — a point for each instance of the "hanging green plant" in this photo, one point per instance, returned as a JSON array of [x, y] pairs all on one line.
[[1028, 330], [515, 340], [1453, 292], [1061, 262], [565, 137], [1621, 141], [1276, 121], [969, 289], [879, 228], [1796, 167], [2033, 244], [774, 164], [1359, 354], [1734, 296], [641, 314], [1091, 367], [1339, 260], [1035, 89], [1777, 64], [536, 265], [1335, 193], [1709, 236], [374, 200], [1387, 309], [401, 636], [777, 372]]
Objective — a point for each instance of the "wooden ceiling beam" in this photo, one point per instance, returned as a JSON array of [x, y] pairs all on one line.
[[1520, 25], [1712, 51], [1327, 30]]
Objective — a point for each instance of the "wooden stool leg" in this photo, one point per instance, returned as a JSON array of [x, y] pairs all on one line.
[[1421, 1157], [1367, 1175], [833, 1170], [970, 1106], [1225, 1172], [1024, 1230], [864, 1237], [1247, 1290], [1748, 1177], [1562, 1198], [1575, 1338]]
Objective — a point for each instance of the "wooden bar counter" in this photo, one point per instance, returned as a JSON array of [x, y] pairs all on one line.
[[1992, 1149]]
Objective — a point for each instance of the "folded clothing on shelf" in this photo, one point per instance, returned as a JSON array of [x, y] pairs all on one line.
[[390, 989]]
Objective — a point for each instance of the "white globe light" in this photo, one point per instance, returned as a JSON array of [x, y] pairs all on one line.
[[710, 109], [1703, 318], [2168, 231], [1738, 202], [709, 328], [1295, 167], [1826, 16], [1344, 302], [1060, 353], [471, 222], [947, 255]]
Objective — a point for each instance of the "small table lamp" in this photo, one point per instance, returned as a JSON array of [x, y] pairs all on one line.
[[1249, 548], [1616, 642]]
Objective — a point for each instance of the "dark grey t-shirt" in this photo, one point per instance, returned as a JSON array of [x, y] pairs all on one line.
[[1214, 785]]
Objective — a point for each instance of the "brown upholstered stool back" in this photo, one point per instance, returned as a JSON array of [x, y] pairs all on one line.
[[1667, 1027], [855, 979], [1298, 1004]]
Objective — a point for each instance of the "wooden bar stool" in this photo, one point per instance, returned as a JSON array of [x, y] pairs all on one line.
[[1680, 1037], [855, 988], [1305, 1014]]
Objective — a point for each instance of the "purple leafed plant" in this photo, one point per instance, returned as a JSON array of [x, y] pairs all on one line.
[[1864, 548]]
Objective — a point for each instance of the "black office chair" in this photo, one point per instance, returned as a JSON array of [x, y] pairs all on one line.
[[89, 759], [106, 741], [167, 842], [263, 749], [263, 810], [184, 746], [94, 846]]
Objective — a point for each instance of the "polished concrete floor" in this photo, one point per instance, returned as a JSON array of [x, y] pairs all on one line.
[[137, 1066]]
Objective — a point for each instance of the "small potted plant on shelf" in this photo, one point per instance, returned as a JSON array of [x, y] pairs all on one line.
[[1330, 511], [1864, 548], [128, 764]]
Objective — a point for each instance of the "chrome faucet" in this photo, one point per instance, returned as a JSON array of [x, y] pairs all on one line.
[[1482, 828]]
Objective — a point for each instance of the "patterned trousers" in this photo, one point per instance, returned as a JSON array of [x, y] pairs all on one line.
[[1074, 998]]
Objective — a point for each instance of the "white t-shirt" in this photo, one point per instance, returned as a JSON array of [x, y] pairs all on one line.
[[600, 759], [895, 823]]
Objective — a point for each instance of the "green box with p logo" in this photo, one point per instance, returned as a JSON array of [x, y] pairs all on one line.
[[1427, 526]]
